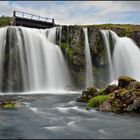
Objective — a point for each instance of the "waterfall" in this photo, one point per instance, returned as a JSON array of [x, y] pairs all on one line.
[[2, 48], [125, 58], [42, 63], [88, 73], [106, 40]]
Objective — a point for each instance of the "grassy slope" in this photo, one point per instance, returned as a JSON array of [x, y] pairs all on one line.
[[130, 27], [124, 29], [5, 21], [121, 29]]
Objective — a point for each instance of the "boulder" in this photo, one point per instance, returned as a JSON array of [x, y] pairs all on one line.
[[124, 81], [87, 94], [110, 88], [133, 85]]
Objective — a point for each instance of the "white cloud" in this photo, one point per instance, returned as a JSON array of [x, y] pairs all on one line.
[[75, 12]]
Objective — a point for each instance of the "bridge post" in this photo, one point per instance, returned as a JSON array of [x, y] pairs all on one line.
[[53, 21], [13, 23]]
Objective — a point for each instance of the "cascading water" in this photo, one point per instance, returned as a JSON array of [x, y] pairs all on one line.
[[2, 48], [126, 55], [106, 39], [89, 74], [126, 58], [42, 64]]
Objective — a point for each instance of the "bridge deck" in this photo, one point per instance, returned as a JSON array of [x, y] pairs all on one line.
[[33, 21]]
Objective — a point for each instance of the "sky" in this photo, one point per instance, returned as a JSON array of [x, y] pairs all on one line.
[[78, 12]]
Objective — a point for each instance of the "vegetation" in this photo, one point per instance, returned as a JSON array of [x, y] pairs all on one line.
[[128, 27], [124, 97], [120, 29], [97, 100], [7, 105], [68, 50], [5, 21]]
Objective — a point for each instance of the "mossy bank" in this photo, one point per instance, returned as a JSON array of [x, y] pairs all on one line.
[[124, 97]]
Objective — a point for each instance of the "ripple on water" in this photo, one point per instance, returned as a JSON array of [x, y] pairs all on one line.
[[53, 128], [102, 131]]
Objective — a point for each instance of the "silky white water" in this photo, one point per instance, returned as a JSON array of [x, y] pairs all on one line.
[[126, 56], [42, 62], [88, 73], [2, 48], [105, 34]]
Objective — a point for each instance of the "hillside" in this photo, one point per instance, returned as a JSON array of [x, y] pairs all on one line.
[[5, 21]]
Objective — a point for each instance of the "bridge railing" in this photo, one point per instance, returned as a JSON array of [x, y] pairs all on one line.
[[33, 17]]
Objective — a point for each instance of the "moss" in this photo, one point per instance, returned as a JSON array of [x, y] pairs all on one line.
[[101, 91], [124, 81], [126, 78], [96, 101], [8, 105], [69, 51], [64, 45]]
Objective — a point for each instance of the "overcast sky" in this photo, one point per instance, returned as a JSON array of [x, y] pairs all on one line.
[[78, 12]]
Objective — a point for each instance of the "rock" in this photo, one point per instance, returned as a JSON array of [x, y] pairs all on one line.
[[122, 100], [91, 90], [135, 106], [105, 107], [83, 98], [124, 81], [133, 85], [107, 90], [87, 94], [136, 37], [96, 47], [110, 88], [7, 102]]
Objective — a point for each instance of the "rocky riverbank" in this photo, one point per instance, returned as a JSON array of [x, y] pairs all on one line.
[[123, 97]]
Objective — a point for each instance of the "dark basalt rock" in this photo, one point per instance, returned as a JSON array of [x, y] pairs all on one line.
[[124, 81]]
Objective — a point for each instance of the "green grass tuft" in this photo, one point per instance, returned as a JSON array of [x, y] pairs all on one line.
[[96, 101]]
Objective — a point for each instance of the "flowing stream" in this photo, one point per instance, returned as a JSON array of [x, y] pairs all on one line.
[[61, 117]]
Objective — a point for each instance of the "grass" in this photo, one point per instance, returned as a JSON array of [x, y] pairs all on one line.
[[124, 29], [5, 21], [96, 101]]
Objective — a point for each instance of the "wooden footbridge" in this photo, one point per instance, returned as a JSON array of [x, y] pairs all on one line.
[[32, 21]]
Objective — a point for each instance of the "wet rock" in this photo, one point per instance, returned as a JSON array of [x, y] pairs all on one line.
[[123, 99], [124, 81], [136, 37], [110, 88], [7, 102], [105, 107], [133, 85], [87, 94], [135, 106]]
